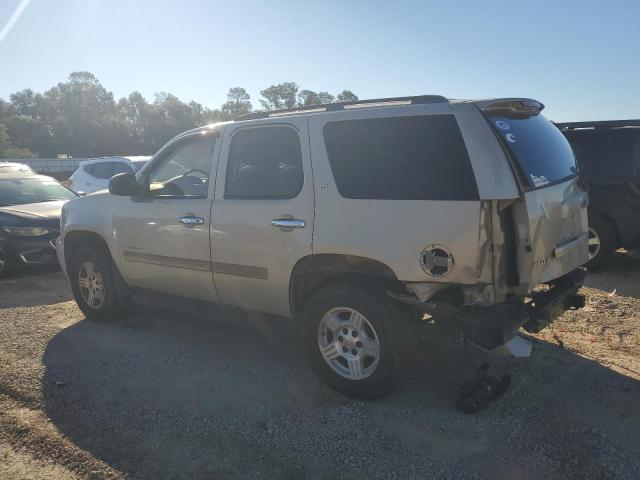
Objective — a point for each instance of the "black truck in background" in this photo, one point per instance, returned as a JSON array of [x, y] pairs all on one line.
[[608, 154]]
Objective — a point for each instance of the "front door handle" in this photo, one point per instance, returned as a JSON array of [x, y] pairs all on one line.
[[287, 224], [190, 222]]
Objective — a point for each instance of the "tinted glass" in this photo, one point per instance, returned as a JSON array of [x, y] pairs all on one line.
[[541, 150], [185, 170], [608, 156], [400, 158], [89, 169], [121, 168], [264, 163], [103, 170], [20, 191]]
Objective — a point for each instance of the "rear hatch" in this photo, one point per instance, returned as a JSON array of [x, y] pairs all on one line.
[[551, 216]]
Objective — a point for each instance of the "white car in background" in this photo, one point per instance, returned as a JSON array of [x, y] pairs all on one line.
[[93, 175], [11, 167]]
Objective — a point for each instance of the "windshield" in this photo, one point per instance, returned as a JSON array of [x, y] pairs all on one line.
[[19, 191], [541, 150]]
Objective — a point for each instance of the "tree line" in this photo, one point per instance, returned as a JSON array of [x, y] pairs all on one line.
[[80, 118]]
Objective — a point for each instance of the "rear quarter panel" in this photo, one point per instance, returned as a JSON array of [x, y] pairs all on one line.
[[393, 232]]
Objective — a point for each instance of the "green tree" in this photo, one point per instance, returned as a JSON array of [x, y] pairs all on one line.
[[278, 97], [238, 103], [347, 96]]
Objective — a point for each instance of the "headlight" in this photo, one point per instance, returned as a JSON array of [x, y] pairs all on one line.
[[27, 231]]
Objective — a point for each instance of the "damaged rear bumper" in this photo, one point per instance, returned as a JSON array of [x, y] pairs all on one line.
[[491, 326]]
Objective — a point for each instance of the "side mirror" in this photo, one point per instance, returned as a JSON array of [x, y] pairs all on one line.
[[124, 184]]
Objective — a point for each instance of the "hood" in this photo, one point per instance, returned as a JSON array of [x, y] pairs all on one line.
[[45, 213]]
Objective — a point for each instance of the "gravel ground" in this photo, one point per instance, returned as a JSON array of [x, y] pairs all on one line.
[[167, 395]]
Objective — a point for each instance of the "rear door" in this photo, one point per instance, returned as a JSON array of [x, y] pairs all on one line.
[[395, 184], [262, 218], [551, 218]]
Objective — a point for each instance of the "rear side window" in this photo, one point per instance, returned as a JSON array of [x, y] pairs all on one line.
[[400, 158], [103, 171], [119, 167], [540, 149], [266, 163]]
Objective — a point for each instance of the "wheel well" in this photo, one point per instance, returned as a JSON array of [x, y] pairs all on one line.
[[74, 240], [315, 271], [609, 220]]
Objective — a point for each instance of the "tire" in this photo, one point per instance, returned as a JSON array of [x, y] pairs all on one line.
[[600, 253], [6, 266], [329, 321], [91, 270]]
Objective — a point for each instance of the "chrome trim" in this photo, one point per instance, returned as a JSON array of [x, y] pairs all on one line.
[[287, 223], [190, 221], [248, 271], [40, 251]]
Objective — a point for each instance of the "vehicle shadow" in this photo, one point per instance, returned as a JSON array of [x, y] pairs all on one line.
[[43, 285], [622, 274], [161, 395]]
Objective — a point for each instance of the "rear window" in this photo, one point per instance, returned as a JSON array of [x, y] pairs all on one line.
[[540, 149], [400, 158]]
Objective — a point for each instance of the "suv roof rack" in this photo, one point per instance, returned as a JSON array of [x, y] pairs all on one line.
[[604, 124], [332, 107]]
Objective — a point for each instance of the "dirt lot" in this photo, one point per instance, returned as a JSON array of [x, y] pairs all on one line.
[[165, 395]]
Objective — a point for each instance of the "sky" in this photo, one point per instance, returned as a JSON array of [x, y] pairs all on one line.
[[580, 58]]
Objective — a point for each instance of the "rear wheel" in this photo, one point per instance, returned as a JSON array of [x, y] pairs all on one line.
[[356, 340], [4, 262], [602, 242], [93, 284]]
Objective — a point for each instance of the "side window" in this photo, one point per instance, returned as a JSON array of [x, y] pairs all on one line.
[[89, 169], [400, 158], [265, 163], [120, 167], [185, 169], [103, 170]]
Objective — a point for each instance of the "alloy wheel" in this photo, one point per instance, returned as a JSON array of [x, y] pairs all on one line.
[[348, 343], [594, 243], [91, 285]]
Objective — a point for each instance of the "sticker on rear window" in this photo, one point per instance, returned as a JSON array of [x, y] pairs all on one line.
[[501, 124], [539, 181]]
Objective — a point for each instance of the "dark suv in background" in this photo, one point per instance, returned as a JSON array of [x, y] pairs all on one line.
[[608, 153]]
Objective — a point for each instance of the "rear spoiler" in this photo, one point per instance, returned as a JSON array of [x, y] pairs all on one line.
[[511, 107]]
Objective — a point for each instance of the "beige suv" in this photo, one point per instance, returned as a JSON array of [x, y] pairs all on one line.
[[355, 220]]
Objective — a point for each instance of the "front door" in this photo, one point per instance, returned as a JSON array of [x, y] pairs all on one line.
[[263, 213], [163, 236]]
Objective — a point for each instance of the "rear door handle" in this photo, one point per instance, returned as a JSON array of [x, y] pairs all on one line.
[[287, 224], [191, 221]]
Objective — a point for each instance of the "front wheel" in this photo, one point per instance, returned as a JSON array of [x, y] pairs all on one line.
[[93, 284], [356, 340]]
